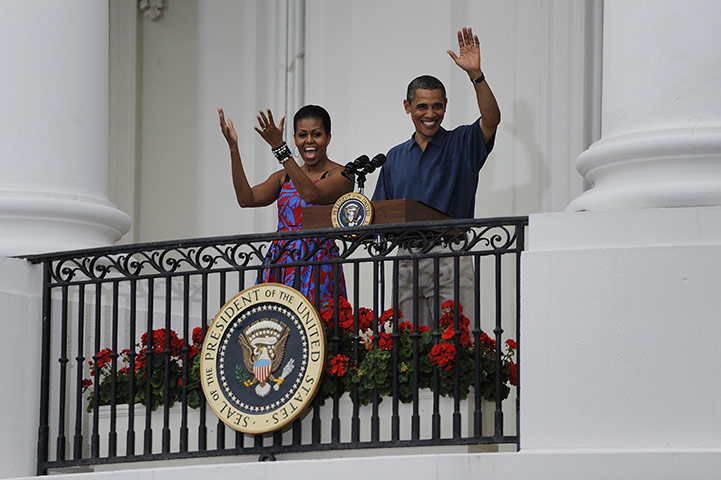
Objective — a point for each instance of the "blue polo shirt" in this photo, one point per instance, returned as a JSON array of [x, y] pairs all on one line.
[[445, 176]]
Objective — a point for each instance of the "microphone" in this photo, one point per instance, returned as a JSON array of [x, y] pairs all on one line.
[[352, 168], [376, 162]]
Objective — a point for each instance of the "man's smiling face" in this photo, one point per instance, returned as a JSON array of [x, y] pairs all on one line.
[[426, 109]]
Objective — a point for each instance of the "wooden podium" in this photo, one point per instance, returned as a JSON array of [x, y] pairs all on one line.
[[384, 211]]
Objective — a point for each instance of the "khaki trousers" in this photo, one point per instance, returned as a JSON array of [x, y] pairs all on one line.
[[426, 286]]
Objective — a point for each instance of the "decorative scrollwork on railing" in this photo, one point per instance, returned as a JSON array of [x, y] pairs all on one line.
[[495, 237], [347, 245], [158, 262], [256, 251]]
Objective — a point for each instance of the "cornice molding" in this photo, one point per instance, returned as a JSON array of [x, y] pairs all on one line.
[[152, 9]]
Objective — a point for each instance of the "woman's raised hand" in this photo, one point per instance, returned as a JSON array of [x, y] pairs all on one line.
[[271, 133], [228, 130]]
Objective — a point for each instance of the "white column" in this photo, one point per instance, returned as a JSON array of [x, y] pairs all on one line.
[[619, 323], [661, 122], [54, 128]]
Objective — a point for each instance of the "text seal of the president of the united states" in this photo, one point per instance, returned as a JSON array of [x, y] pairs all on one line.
[[262, 358]]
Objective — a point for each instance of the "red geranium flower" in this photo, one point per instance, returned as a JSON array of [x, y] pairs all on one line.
[[406, 326], [466, 338], [487, 342], [159, 341], [346, 323], [365, 318], [443, 355], [141, 360], [197, 336], [513, 368], [385, 342], [338, 365], [450, 305], [445, 321], [193, 351], [389, 314], [104, 357], [345, 313]]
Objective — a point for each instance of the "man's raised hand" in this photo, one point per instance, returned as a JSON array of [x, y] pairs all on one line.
[[470, 52]]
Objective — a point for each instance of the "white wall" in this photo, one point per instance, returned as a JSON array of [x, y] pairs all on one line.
[[619, 331], [533, 54], [590, 465], [359, 58], [173, 169], [20, 304]]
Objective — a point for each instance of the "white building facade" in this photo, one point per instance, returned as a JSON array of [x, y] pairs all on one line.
[[113, 137]]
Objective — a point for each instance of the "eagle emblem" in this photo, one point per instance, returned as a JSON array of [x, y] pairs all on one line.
[[263, 343], [351, 210], [350, 214]]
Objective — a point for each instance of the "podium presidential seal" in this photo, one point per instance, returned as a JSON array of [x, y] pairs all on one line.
[[352, 210], [262, 358]]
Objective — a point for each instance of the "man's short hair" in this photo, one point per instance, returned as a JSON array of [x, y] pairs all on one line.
[[424, 82], [312, 111]]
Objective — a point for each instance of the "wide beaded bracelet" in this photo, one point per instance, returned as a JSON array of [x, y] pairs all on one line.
[[282, 153]]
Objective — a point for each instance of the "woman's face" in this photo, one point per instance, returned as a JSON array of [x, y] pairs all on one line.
[[311, 140]]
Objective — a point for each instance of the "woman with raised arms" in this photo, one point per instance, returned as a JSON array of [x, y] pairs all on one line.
[[317, 181]]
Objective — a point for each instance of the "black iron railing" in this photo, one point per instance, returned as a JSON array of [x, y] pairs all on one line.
[[106, 399]]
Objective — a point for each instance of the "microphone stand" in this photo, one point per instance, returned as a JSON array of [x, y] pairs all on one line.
[[360, 180], [361, 166]]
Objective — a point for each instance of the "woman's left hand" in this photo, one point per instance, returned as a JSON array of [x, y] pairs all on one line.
[[271, 133]]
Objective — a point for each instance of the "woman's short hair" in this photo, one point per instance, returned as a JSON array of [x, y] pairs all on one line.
[[312, 111]]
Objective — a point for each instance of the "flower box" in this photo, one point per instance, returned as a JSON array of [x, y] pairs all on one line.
[[345, 413]]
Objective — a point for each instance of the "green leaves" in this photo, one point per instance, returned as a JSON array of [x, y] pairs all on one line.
[[240, 374], [453, 359], [359, 363], [157, 373]]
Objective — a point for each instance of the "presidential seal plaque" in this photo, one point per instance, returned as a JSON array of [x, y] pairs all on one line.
[[262, 358], [352, 210]]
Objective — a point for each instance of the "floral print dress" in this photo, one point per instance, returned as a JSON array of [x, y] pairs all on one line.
[[290, 211]]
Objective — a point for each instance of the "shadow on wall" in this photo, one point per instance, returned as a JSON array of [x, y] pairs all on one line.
[[167, 125], [511, 182]]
